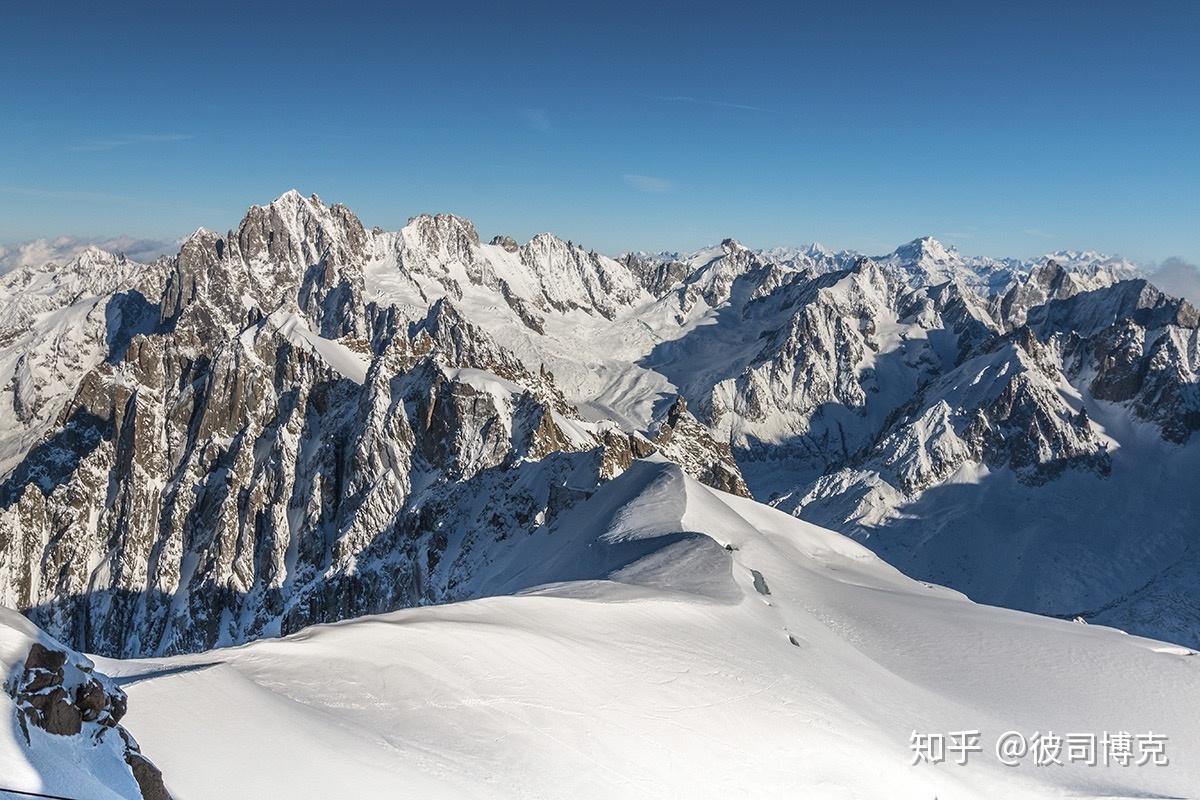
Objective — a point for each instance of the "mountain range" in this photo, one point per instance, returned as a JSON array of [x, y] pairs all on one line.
[[700, 503], [304, 420]]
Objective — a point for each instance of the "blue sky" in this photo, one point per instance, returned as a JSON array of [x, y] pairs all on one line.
[[1002, 128]]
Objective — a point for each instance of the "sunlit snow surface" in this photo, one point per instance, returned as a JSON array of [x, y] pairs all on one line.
[[661, 669]]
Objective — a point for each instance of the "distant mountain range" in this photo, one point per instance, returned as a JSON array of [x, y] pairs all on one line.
[[303, 420]]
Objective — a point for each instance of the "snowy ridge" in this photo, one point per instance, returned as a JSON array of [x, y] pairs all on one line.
[[56, 324]]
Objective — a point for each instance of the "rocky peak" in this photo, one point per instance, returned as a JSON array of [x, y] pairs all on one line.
[[549, 257], [714, 274], [442, 236], [1087, 311], [93, 257], [816, 250], [1094, 264], [459, 343], [446, 248], [925, 261], [658, 274], [299, 232], [1133, 344], [295, 252], [685, 441], [1052, 281], [1045, 282], [1049, 276], [93, 272], [571, 277], [274, 451], [191, 272]]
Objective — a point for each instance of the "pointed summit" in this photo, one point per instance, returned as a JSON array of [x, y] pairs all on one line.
[[292, 196], [925, 248], [93, 257], [816, 250]]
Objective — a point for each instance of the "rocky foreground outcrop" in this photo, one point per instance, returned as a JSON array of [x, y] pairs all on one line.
[[67, 719]]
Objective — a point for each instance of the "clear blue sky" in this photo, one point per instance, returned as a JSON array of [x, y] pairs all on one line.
[[1003, 128]]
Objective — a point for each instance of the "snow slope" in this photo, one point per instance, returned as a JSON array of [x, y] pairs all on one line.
[[342, 359], [674, 642]]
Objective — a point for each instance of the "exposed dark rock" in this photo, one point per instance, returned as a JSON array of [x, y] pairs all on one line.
[[149, 777], [685, 441], [208, 433], [507, 242]]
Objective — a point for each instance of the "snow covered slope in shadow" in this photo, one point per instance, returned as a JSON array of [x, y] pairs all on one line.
[[681, 643]]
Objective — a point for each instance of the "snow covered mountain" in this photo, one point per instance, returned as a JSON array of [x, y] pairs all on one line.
[[304, 420], [1051, 470], [275, 450], [56, 324]]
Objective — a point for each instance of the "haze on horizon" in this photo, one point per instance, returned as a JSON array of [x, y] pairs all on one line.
[[1009, 131]]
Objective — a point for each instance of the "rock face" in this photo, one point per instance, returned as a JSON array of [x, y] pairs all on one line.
[[1133, 345], [657, 274], [303, 420], [685, 441]]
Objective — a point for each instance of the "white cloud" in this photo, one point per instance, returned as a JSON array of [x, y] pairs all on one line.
[[1040, 234], [1178, 277], [648, 183], [37, 252], [681, 98], [131, 139], [536, 118]]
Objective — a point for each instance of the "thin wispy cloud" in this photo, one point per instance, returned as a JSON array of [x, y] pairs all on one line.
[[1040, 234], [700, 101], [648, 183], [536, 118], [128, 140]]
